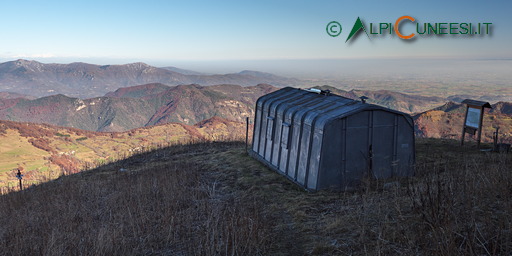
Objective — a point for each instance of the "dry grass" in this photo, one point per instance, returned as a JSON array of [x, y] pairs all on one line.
[[162, 204], [212, 199]]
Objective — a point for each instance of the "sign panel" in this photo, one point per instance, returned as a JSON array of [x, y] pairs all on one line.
[[473, 118]]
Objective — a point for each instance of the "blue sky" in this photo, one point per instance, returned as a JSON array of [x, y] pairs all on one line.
[[180, 32]]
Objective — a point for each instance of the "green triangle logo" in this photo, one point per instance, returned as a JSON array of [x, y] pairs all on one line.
[[356, 28]]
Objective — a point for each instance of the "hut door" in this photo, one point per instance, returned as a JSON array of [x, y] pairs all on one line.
[[356, 147], [382, 145]]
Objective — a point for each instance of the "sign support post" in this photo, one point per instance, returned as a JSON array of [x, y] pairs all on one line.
[[464, 127], [20, 177], [246, 134]]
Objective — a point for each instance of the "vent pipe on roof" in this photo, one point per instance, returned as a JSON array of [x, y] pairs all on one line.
[[363, 99], [323, 92], [315, 90]]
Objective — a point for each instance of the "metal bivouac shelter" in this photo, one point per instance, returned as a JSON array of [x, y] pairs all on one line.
[[324, 141]]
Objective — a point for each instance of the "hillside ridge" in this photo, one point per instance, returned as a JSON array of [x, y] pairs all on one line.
[[45, 151], [83, 80], [138, 106]]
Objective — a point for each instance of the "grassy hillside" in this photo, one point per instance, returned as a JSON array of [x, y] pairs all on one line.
[[211, 199], [45, 152]]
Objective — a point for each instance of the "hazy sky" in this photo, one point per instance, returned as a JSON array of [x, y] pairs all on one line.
[[180, 32]]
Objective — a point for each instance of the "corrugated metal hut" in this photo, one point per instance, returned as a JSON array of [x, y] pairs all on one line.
[[325, 141]]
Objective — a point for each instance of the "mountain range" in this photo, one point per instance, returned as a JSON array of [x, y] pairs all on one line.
[[13, 95], [83, 80], [154, 104], [138, 106]]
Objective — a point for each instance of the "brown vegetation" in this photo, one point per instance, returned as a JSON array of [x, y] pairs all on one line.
[[41, 143], [68, 164], [192, 131], [38, 130]]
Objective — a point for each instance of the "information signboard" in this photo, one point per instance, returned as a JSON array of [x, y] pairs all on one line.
[[473, 117]]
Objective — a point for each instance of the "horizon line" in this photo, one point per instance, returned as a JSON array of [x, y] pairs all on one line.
[[54, 60]]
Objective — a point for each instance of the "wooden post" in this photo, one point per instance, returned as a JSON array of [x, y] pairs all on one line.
[[495, 140], [20, 176], [246, 134], [464, 126], [480, 127]]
